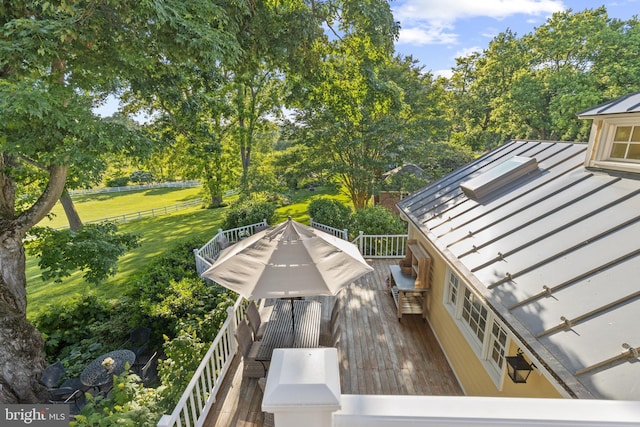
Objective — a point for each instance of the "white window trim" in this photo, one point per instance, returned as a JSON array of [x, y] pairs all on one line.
[[482, 350], [600, 158]]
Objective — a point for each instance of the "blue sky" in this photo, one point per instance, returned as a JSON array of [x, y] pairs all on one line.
[[435, 32]]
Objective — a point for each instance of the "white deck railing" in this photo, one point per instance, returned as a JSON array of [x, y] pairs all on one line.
[[200, 394], [209, 252], [343, 234], [381, 245]]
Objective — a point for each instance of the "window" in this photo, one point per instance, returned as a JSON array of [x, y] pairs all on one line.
[[474, 314], [626, 144], [452, 295], [486, 336], [615, 145], [498, 345]]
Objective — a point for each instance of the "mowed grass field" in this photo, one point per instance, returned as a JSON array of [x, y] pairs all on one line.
[[157, 235]]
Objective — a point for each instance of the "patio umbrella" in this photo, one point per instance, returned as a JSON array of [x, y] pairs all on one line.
[[288, 260]]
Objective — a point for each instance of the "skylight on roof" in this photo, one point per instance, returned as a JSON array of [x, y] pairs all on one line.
[[499, 177]]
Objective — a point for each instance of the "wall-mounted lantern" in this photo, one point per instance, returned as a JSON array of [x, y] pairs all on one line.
[[518, 368]]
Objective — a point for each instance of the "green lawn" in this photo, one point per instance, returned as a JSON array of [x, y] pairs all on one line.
[[97, 206], [157, 234]]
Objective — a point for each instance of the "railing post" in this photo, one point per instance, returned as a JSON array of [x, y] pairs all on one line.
[[233, 324], [303, 387], [345, 234], [164, 421], [361, 242]]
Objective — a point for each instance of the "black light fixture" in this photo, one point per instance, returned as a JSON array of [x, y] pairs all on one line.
[[517, 368]]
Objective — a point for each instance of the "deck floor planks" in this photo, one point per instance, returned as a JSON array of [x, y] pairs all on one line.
[[377, 355]]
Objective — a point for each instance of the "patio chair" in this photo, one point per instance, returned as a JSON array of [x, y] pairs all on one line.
[[334, 340], [223, 242], [249, 349], [138, 340], [145, 373], [257, 326], [268, 416], [70, 391], [327, 326]]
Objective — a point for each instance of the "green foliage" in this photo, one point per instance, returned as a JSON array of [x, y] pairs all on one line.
[[184, 354], [532, 87], [141, 177], [67, 324], [249, 212], [330, 212], [94, 249], [117, 182], [128, 404], [376, 220]]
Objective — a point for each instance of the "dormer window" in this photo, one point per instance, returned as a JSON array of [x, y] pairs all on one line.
[[614, 143], [626, 144]]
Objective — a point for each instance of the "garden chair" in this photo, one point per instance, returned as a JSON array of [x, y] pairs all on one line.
[[327, 326], [146, 373], [332, 341], [248, 350], [67, 391], [255, 321], [138, 340]]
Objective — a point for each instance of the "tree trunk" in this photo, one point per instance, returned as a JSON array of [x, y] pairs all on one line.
[[21, 358], [70, 210], [21, 355]]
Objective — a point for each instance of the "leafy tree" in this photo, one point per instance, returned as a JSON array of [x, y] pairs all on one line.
[[57, 60], [95, 249], [532, 87]]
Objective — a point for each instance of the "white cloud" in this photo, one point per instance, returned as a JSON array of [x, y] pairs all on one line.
[[432, 21], [448, 11], [427, 35], [468, 51], [443, 73]]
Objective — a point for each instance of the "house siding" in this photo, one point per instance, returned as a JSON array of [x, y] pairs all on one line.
[[469, 370]]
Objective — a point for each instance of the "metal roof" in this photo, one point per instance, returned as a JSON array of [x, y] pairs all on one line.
[[625, 104], [556, 254]]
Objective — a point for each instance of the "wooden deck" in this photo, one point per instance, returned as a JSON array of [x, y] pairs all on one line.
[[378, 355]]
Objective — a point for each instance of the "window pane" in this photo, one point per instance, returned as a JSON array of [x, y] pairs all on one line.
[[634, 152], [618, 151], [635, 136], [622, 133]]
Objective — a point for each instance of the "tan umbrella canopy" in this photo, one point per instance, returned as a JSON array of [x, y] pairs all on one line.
[[286, 261]]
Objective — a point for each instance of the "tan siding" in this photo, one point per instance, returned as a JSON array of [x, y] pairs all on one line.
[[469, 370]]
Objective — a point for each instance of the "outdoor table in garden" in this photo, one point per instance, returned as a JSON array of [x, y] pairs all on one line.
[[100, 372], [283, 331]]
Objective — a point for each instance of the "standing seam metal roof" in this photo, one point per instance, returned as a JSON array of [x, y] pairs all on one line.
[[557, 250]]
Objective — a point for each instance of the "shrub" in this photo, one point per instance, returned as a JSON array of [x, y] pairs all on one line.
[[117, 182], [141, 177], [65, 325], [128, 404], [249, 212], [376, 220], [330, 212]]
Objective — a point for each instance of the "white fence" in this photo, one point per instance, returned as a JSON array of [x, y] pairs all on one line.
[[176, 184], [194, 405], [144, 214]]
